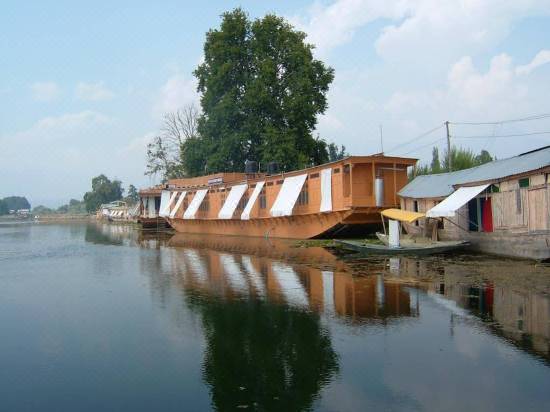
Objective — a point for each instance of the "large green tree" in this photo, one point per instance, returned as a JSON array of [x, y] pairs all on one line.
[[103, 191], [261, 91]]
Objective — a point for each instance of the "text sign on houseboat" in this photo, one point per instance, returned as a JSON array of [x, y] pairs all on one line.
[[215, 181]]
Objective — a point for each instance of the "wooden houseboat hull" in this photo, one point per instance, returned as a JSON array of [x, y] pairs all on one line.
[[289, 227], [153, 222]]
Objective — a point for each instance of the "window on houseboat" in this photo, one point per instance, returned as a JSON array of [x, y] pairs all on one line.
[[303, 198], [205, 205], [524, 182], [242, 203], [263, 199]]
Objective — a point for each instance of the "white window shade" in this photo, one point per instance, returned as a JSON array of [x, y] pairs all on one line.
[[252, 200], [326, 190], [286, 199], [166, 199], [451, 204], [195, 204], [232, 200], [178, 205]]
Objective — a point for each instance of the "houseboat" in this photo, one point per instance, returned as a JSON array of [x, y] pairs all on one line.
[[501, 207], [326, 200], [116, 211], [149, 206]]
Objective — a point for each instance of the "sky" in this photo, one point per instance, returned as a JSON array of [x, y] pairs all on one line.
[[84, 85]]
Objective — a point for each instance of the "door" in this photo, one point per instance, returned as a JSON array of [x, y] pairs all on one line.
[[486, 215], [537, 204]]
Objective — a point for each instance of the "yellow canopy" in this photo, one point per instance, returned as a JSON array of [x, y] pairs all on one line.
[[402, 215]]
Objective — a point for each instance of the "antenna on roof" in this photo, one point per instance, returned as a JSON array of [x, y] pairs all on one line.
[[381, 140]]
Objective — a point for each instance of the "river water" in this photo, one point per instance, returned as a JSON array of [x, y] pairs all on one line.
[[104, 317]]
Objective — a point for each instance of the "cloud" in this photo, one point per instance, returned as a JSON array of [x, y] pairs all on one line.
[[93, 92], [137, 146], [45, 91], [177, 92], [542, 58], [60, 127], [329, 26], [437, 29]]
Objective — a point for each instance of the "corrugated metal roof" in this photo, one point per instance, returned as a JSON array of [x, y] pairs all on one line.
[[441, 185]]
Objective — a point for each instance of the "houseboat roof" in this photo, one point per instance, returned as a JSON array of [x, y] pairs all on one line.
[[237, 177], [443, 184]]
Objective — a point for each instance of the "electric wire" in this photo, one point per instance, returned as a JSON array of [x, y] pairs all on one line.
[[521, 119], [424, 146], [401, 145], [500, 136]]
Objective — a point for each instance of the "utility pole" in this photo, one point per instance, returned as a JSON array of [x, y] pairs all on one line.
[[449, 157], [381, 140]]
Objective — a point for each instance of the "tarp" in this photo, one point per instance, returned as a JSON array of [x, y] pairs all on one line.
[[459, 198], [195, 204], [232, 200], [290, 190], [251, 200], [178, 205], [151, 207], [326, 190], [402, 215], [166, 200]]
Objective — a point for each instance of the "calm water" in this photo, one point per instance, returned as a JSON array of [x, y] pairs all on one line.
[[103, 318]]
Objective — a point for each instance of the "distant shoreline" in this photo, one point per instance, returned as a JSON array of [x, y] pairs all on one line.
[[48, 218]]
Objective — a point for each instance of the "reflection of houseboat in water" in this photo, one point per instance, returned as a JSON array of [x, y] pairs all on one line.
[[386, 290], [329, 199], [304, 278]]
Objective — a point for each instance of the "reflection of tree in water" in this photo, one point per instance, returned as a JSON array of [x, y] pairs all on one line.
[[263, 356]]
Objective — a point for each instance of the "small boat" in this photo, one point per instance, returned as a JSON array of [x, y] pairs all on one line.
[[418, 249], [394, 243]]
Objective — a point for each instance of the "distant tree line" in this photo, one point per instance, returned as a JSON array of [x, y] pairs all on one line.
[[460, 159], [261, 92], [103, 191]]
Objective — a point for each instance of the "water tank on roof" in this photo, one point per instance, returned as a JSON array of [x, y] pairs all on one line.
[[272, 168], [250, 167], [379, 191]]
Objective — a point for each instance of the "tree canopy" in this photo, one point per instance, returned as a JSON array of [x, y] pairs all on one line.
[[13, 203], [103, 191], [164, 153], [261, 91], [461, 158], [132, 194]]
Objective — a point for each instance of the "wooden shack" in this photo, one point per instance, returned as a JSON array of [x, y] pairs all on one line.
[[509, 215]]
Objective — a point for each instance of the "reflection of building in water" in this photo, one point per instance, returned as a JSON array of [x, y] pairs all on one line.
[[500, 295], [233, 267], [371, 297]]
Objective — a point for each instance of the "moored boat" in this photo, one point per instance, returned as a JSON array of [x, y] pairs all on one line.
[[329, 199], [149, 205], [394, 242]]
